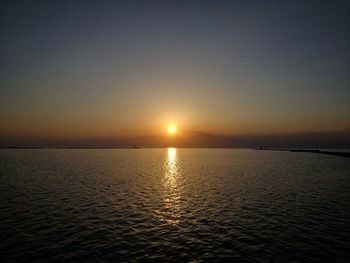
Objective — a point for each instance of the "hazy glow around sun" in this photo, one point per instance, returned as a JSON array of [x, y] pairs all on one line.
[[172, 129]]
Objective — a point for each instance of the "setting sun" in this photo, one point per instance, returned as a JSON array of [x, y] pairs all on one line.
[[172, 130]]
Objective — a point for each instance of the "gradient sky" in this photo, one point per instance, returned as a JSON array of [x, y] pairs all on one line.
[[103, 69]]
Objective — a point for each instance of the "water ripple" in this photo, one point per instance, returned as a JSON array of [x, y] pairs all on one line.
[[173, 205]]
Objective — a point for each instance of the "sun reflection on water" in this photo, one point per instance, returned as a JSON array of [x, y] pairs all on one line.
[[171, 192], [171, 164]]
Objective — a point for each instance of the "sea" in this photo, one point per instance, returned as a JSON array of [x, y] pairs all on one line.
[[173, 205]]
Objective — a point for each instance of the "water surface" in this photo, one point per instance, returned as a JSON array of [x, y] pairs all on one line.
[[173, 205]]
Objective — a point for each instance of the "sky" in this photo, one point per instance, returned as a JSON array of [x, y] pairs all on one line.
[[93, 73]]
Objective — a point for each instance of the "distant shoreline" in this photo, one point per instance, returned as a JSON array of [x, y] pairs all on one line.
[[342, 154], [334, 153]]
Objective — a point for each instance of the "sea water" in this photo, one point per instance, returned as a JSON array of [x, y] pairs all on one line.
[[173, 205]]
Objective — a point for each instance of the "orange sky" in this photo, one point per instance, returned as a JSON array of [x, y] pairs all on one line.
[[115, 74]]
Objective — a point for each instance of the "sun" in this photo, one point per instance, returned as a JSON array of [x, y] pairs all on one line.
[[171, 129]]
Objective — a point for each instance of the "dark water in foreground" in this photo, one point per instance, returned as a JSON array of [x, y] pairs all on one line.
[[177, 205]]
